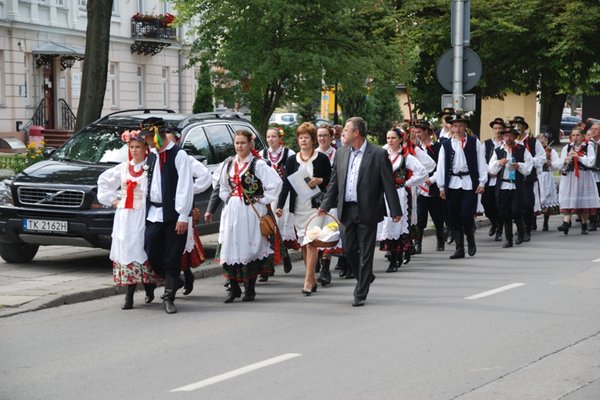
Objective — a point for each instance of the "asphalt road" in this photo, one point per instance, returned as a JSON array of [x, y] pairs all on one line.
[[430, 331]]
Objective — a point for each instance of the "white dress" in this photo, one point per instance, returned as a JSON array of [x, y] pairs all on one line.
[[127, 248], [303, 210], [285, 223], [388, 229], [239, 231], [548, 188], [576, 193]]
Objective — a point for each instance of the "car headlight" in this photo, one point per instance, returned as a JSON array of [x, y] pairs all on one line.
[[95, 205], [6, 197]]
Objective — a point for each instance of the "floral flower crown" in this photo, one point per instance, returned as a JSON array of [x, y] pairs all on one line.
[[128, 136]]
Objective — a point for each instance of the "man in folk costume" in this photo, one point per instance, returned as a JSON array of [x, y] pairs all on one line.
[[510, 164], [488, 198], [429, 200], [170, 197], [444, 132], [531, 190], [461, 175]]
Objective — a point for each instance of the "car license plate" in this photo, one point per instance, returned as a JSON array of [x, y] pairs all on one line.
[[44, 225]]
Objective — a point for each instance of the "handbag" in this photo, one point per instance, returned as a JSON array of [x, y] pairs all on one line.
[[267, 223]]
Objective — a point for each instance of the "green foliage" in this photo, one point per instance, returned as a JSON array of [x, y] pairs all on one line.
[[204, 94], [385, 111], [16, 162], [277, 50]]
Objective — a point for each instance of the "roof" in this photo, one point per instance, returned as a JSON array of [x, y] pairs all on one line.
[[59, 49]]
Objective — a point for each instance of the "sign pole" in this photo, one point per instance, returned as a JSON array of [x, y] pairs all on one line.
[[457, 74]]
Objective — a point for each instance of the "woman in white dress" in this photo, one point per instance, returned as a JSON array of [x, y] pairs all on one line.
[[124, 187], [548, 189], [317, 167], [408, 172], [247, 185], [276, 155], [577, 192]]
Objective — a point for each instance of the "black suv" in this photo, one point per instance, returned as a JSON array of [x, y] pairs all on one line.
[[53, 202]]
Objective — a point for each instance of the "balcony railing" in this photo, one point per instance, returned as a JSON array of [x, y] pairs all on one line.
[[152, 29]]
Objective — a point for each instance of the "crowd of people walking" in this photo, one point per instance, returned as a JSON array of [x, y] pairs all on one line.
[[373, 194]]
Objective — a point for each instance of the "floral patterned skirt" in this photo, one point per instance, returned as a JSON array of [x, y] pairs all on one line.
[[134, 273], [240, 272]]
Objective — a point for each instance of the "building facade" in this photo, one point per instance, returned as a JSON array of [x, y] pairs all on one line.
[[42, 45]]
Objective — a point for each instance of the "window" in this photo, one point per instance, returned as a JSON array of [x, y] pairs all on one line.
[[166, 7], [60, 3], [82, 3], [140, 6], [113, 79], [196, 144], [165, 86], [220, 140], [2, 80], [140, 86]]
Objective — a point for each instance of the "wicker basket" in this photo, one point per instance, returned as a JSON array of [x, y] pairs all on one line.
[[317, 242]]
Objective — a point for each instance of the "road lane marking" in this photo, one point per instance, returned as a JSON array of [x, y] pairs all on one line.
[[237, 372], [596, 260], [494, 291]]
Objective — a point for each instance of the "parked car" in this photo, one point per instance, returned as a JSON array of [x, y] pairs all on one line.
[[53, 202], [284, 119], [567, 123]]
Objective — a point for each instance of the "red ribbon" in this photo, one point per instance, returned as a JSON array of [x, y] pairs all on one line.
[[162, 158], [576, 163], [129, 200]]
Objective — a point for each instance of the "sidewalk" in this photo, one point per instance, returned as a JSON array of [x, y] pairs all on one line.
[[65, 275]]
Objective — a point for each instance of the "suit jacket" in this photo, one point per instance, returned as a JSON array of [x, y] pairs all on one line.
[[375, 178]]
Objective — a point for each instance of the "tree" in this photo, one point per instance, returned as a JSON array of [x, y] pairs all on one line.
[[204, 94], [524, 47], [95, 66], [277, 50]]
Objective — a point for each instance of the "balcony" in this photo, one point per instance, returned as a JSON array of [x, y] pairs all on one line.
[[152, 33]]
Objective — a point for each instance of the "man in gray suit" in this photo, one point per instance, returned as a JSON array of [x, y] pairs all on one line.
[[362, 173]]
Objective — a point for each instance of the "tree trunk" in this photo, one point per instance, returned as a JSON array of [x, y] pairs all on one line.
[[95, 65], [551, 116]]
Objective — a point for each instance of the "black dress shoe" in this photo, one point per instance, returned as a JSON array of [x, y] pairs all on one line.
[[498, 237], [248, 297], [519, 240], [358, 303], [492, 230], [149, 294], [526, 236], [472, 249], [458, 253], [263, 278], [372, 278], [507, 245], [350, 275]]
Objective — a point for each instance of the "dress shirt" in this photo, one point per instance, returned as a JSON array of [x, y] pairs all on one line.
[[459, 164], [524, 167], [352, 174], [492, 178], [184, 196], [538, 154]]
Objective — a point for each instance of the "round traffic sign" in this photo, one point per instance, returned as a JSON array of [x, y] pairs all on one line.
[[471, 69]]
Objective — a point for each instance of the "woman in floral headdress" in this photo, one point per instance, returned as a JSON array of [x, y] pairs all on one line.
[[124, 187], [247, 186], [577, 192], [408, 172]]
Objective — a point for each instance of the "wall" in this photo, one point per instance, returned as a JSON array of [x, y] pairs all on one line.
[[511, 106]]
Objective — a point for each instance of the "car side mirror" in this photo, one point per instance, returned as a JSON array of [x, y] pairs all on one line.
[[48, 151]]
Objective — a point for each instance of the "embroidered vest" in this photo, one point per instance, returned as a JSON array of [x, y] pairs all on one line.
[[519, 155], [470, 150], [251, 185]]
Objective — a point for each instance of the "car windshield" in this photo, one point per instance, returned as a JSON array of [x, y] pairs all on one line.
[[94, 144]]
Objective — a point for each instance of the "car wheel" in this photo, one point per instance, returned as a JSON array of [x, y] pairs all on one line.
[[18, 252]]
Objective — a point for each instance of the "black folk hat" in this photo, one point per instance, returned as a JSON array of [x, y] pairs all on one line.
[[519, 120], [497, 121], [459, 117], [510, 130], [447, 111]]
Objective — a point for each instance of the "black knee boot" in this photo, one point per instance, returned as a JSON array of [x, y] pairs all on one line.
[[471, 247], [128, 304], [171, 286], [439, 235], [460, 245], [149, 288], [393, 267], [249, 289], [188, 285], [545, 227], [419, 240], [234, 291], [325, 275]]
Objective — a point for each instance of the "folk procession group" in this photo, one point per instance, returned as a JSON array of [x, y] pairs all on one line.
[[449, 175]]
